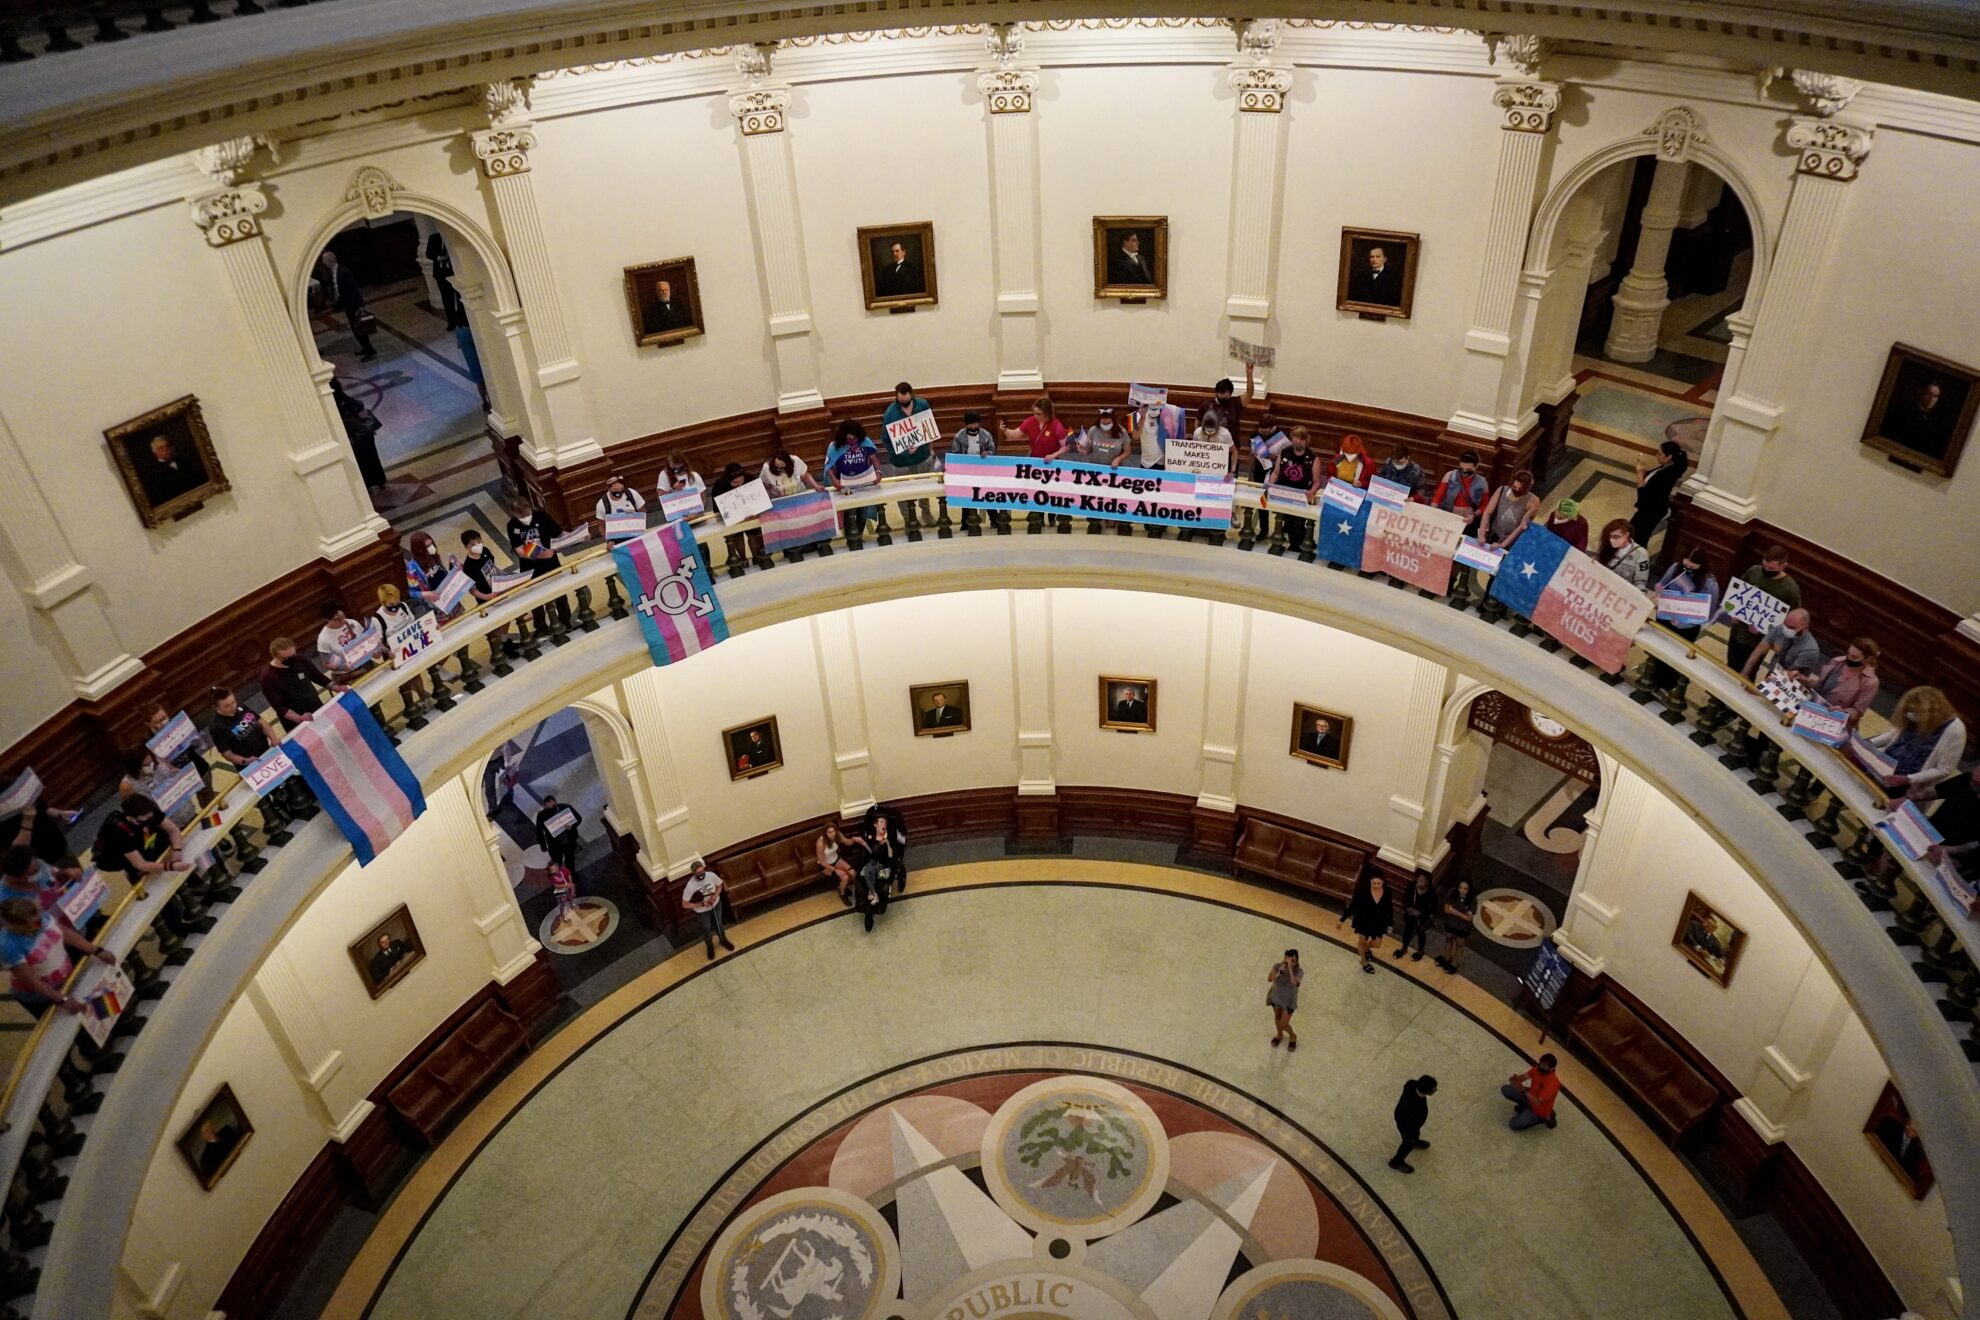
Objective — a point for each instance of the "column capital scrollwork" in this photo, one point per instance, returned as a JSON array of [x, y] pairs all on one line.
[[1527, 106], [229, 215], [1261, 89], [1677, 131], [503, 151], [1008, 91], [761, 110], [1828, 148]]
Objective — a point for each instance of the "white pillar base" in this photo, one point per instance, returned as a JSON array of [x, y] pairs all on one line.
[[1638, 321]]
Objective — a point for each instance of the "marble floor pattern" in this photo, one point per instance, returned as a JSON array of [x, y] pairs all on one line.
[[617, 1127]]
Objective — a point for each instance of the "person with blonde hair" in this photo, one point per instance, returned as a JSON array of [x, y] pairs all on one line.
[[1925, 740]]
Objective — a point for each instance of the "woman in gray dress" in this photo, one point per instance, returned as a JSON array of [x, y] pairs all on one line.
[[1283, 998]]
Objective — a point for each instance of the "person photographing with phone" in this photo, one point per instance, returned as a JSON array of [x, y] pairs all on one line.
[[1283, 998]]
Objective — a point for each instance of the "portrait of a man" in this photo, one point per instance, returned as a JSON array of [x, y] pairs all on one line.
[[1320, 737], [1924, 410], [385, 953], [940, 708], [1377, 272], [1130, 256], [167, 461], [664, 300], [1708, 940], [215, 1139], [897, 265], [1127, 704], [753, 748], [1895, 1137]]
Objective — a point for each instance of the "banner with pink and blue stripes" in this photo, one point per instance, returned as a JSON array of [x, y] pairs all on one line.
[[1090, 490], [799, 520], [672, 596], [358, 776]]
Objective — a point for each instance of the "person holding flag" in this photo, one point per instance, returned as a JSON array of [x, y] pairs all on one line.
[[1571, 598], [531, 531]]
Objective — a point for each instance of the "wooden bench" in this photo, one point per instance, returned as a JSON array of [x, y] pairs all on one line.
[[1676, 1096], [451, 1076], [1298, 857]]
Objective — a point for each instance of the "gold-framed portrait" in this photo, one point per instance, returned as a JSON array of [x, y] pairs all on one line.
[[215, 1139], [167, 461], [1321, 737], [1131, 257], [1894, 1137], [1127, 704], [1924, 410], [753, 749], [1708, 940], [385, 953], [1378, 272], [940, 709], [664, 300], [897, 265]]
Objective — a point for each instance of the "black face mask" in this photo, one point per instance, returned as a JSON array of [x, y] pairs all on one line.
[[1853, 664]]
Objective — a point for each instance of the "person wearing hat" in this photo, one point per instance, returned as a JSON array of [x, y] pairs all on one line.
[[975, 440], [619, 498], [1566, 522]]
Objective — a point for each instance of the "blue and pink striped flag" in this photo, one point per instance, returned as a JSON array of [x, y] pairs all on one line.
[[357, 774], [672, 596], [798, 520]]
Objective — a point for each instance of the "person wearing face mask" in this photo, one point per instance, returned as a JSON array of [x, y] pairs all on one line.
[[479, 565], [1654, 486], [1622, 556], [1400, 468], [1925, 740], [1296, 468], [1104, 441], [675, 474], [1771, 576], [975, 440], [1351, 463], [1789, 646], [1463, 490], [1849, 682], [1690, 577], [393, 612], [618, 498], [1509, 510], [1566, 522]]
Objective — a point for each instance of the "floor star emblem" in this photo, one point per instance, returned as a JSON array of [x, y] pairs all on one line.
[[581, 925]]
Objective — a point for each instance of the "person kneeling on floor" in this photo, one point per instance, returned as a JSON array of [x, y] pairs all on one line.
[[1532, 1093]]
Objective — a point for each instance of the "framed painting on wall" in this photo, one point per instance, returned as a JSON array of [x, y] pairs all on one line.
[[216, 1138], [1894, 1137], [940, 708], [1924, 410], [753, 748], [1320, 737], [1378, 272], [167, 461], [387, 952], [1707, 940], [897, 265], [664, 300], [1131, 257], [1127, 704]]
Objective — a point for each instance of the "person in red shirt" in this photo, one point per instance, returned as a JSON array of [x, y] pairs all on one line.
[[1045, 433], [1532, 1093]]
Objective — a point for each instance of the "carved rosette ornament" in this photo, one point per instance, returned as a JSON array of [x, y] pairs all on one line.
[[231, 214], [1261, 90], [1678, 130], [1008, 91], [760, 109], [372, 189], [1528, 107], [503, 151], [1828, 148]]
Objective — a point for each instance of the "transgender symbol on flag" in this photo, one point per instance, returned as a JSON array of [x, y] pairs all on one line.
[[671, 593]]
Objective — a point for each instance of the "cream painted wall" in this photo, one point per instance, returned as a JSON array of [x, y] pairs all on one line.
[[37, 679], [1128, 635], [1885, 289], [966, 635]]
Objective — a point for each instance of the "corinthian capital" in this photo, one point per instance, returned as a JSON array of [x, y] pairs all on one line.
[[760, 110], [503, 151], [1522, 50], [225, 162], [1828, 148], [1261, 89], [229, 215], [1528, 107], [507, 102], [1008, 91], [1827, 95]]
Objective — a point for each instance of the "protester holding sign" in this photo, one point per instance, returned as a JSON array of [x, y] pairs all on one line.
[[1925, 740], [32, 952], [1687, 577], [556, 831], [531, 531], [784, 474], [1351, 461], [1210, 430], [975, 440], [852, 463], [1787, 648], [1463, 490], [1509, 510], [1296, 469], [1230, 407], [918, 455], [1849, 682], [1567, 523], [618, 498], [1770, 576], [1400, 468], [1042, 433], [31, 822], [1958, 818], [146, 774], [290, 682], [337, 635], [242, 739], [426, 575], [480, 566], [393, 616], [1103, 442], [137, 840]]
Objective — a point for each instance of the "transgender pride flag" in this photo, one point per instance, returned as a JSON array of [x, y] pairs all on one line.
[[357, 774], [671, 594], [799, 520], [1571, 597]]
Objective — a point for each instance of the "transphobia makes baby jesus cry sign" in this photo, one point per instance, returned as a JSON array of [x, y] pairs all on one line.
[[1091, 490]]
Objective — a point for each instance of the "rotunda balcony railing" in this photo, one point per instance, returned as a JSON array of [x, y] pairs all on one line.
[[1798, 816]]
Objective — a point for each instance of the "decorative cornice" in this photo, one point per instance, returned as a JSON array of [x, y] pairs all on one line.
[[1528, 107], [1008, 91], [1678, 130], [507, 102], [372, 188], [1261, 89], [760, 110], [230, 215], [503, 151], [1827, 95], [1828, 148], [1524, 51]]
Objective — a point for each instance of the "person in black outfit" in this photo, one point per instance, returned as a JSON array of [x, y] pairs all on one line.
[[341, 288], [1957, 820], [1419, 910], [361, 427], [1369, 912], [1131, 707], [886, 847], [531, 531], [39, 829], [242, 739], [1412, 1110], [390, 954], [940, 714], [290, 682], [1653, 491], [561, 847]]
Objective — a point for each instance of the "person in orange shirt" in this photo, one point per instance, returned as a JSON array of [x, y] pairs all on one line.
[[1532, 1093]]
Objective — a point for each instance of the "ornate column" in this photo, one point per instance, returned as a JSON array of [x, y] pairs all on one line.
[[1007, 88], [1551, 352], [1644, 293], [1031, 652], [483, 880], [1223, 707], [1261, 88], [56, 583], [1807, 1033], [836, 652], [319, 451], [671, 838], [759, 108], [1828, 154], [1402, 842], [1491, 371], [503, 148], [283, 1002], [423, 226], [1602, 874]]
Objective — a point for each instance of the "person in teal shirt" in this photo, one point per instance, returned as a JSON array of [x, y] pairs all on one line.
[[908, 462]]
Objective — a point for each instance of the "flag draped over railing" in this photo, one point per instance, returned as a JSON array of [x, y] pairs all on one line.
[[798, 520], [672, 596], [356, 773]]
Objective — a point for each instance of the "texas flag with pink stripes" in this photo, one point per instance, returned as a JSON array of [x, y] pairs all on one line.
[[357, 774], [672, 596]]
